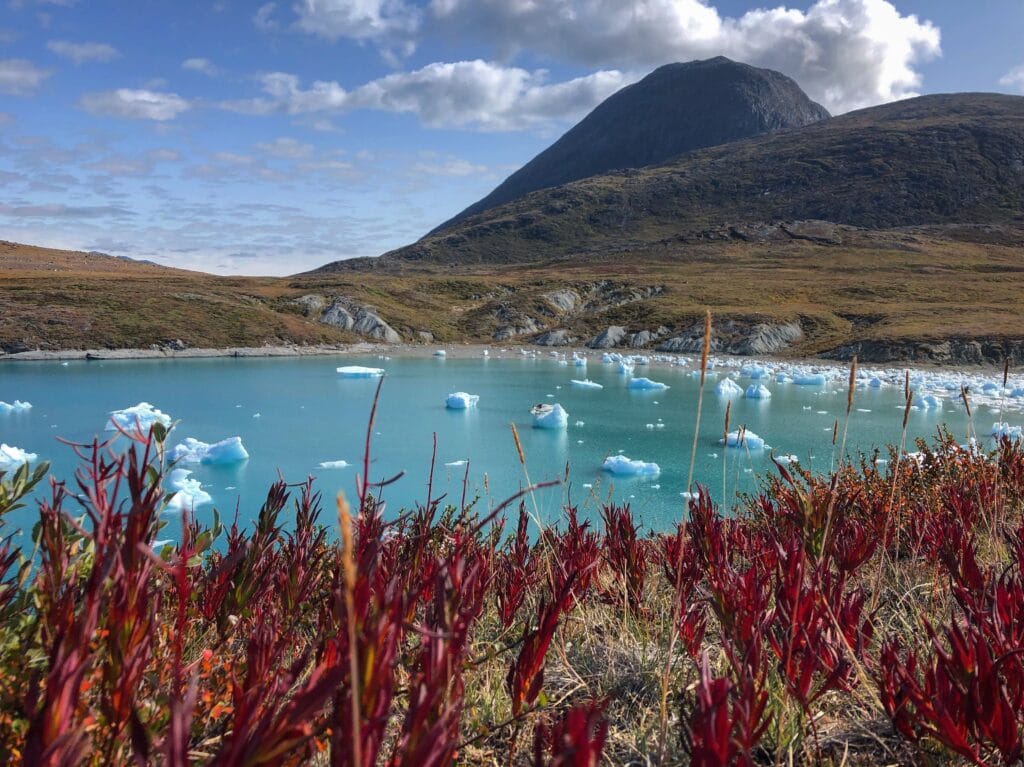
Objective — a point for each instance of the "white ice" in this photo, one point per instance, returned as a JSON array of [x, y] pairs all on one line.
[[749, 440], [188, 492], [586, 384], [333, 464], [15, 407], [1001, 429], [230, 450], [646, 384], [621, 465], [12, 457], [549, 417], [758, 391], [460, 400], [814, 379], [728, 388], [358, 371], [138, 417]]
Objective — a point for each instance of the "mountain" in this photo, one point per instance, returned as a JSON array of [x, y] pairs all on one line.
[[675, 109], [942, 160]]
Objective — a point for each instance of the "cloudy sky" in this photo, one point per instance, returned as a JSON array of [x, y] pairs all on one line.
[[267, 138]]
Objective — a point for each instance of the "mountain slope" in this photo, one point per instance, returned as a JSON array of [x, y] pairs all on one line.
[[932, 160], [675, 109]]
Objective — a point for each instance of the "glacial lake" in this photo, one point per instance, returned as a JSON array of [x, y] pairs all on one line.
[[308, 414]]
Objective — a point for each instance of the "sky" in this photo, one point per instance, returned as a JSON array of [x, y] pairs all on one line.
[[271, 137]]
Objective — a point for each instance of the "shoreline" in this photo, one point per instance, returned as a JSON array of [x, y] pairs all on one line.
[[457, 350]]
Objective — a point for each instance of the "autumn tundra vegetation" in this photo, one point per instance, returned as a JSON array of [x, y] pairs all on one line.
[[870, 615]]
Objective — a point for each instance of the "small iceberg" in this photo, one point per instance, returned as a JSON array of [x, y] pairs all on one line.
[[815, 379], [440, 353], [787, 459], [757, 391], [358, 371], [623, 466], [230, 450], [646, 384], [749, 440], [13, 457], [931, 402], [333, 464], [15, 407], [461, 462], [549, 416], [756, 371], [139, 417], [461, 401], [580, 362], [586, 384], [1000, 429], [188, 492], [728, 388]]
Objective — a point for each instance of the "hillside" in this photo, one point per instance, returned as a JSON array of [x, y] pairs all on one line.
[[933, 160], [676, 109]]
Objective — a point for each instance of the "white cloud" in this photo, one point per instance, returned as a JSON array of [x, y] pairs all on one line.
[[465, 94], [1014, 78], [19, 77], [286, 149], [138, 104], [451, 167], [358, 19], [263, 20], [200, 65], [845, 53], [83, 52]]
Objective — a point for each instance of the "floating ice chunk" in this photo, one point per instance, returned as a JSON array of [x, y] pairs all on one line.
[[230, 450], [15, 407], [728, 388], [876, 383], [358, 371], [580, 362], [625, 368], [688, 496], [814, 379], [333, 464], [1000, 429], [931, 402], [461, 462], [12, 457], [782, 378], [460, 400], [623, 466], [578, 423], [787, 459], [748, 440], [549, 416], [1017, 392], [138, 417], [586, 384], [863, 410], [188, 492], [990, 388], [756, 371], [757, 391], [440, 353], [646, 384]]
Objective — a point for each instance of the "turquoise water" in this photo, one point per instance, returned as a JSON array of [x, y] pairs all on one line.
[[308, 414]]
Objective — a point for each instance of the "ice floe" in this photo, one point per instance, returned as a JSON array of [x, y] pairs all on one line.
[[358, 371], [646, 384], [623, 466], [1001, 429], [15, 407], [461, 401], [549, 416], [187, 491], [12, 457], [230, 450], [748, 439], [586, 384], [333, 464], [138, 417], [728, 388], [757, 391]]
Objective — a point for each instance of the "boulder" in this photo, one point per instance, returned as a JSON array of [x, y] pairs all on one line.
[[608, 338]]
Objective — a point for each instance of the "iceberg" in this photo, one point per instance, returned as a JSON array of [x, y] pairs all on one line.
[[460, 400], [230, 450], [15, 407], [876, 383], [749, 440], [646, 384], [758, 391], [139, 417], [580, 362], [440, 353], [188, 492], [623, 466], [333, 464], [1000, 429], [12, 457], [815, 379], [586, 384], [931, 402], [728, 388], [756, 371], [549, 416], [787, 459], [358, 371], [461, 462], [625, 368]]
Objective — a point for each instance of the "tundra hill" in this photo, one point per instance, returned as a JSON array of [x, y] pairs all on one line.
[[675, 109], [932, 160]]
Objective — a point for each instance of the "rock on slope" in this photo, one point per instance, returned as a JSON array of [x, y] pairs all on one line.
[[675, 109]]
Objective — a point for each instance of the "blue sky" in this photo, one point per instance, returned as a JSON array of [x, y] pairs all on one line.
[[268, 138]]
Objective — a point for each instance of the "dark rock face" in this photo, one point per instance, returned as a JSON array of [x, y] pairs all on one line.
[[952, 351], [676, 109], [737, 337]]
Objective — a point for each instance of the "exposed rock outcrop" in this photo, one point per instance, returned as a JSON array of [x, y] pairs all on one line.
[[560, 337], [951, 351], [346, 314], [514, 323], [608, 338], [737, 337]]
